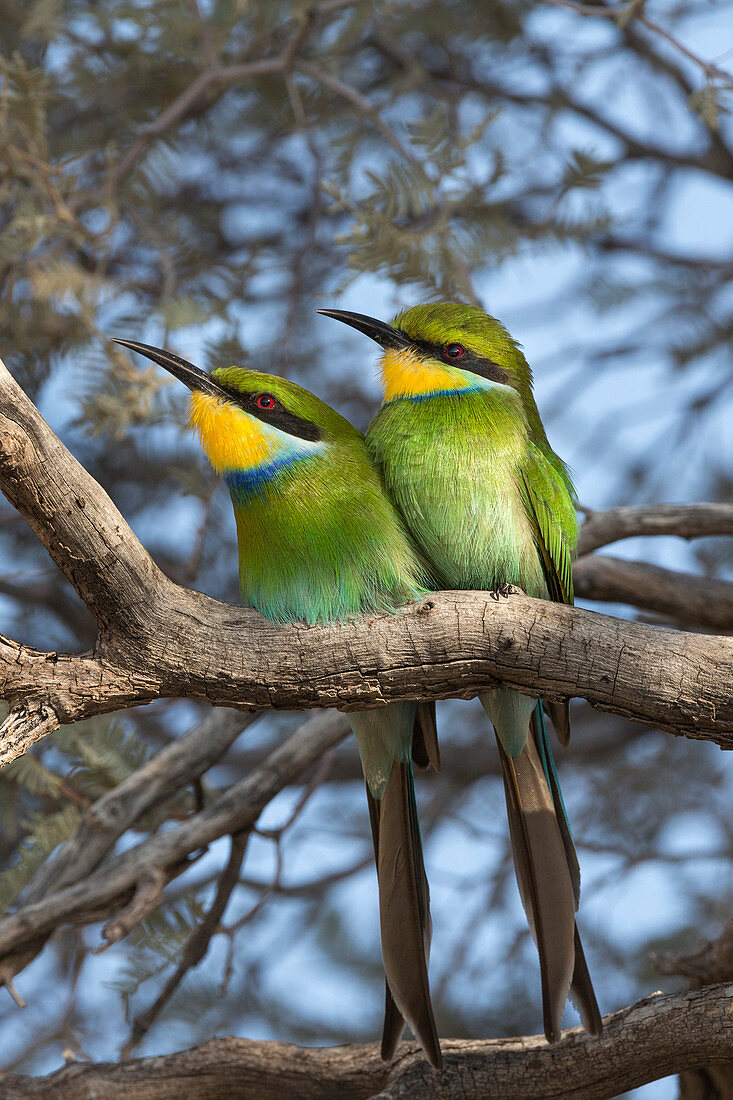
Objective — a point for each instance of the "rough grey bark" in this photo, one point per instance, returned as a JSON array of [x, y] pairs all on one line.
[[159, 639], [659, 1035]]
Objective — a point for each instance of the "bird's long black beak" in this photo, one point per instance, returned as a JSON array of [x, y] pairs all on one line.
[[385, 335], [196, 380]]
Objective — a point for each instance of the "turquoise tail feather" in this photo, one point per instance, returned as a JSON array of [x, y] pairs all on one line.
[[548, 762]]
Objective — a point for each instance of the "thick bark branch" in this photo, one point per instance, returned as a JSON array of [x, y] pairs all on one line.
[[199, 648], [69, 511], [158, 639], [46, 689], [658, 1036]]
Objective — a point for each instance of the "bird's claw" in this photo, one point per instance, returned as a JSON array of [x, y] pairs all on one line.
[[504, 590]]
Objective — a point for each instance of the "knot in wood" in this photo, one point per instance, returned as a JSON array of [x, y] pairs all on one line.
[[13, 444]]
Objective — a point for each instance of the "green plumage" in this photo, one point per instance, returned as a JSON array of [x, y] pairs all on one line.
[[481, 490], [464, 456], [319, 541], [483, 494], [474, 489]]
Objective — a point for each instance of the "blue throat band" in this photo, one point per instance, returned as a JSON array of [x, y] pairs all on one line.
[[244, 483]]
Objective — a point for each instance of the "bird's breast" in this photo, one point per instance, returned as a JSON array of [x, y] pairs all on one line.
[[454, 473]]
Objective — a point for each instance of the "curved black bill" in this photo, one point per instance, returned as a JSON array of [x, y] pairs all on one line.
[[384, 335], [181, 369]]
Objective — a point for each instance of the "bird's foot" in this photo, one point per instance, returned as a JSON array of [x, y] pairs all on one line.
[[505, 590]]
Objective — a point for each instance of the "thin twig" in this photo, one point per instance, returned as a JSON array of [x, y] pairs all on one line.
[[712, 72], [197, 945], [363, 105]]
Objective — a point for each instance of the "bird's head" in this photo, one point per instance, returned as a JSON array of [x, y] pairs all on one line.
[[446, 347], [247, 420]]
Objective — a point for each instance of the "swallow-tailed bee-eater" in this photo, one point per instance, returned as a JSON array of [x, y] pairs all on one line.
[[464, 456], [319, 542]]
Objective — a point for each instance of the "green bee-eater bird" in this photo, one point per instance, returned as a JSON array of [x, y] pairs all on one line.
[[464, 456], [319, 541]]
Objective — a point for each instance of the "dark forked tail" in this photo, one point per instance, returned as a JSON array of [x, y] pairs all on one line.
[[404, 914]]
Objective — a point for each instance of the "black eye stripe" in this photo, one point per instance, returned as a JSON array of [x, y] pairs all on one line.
[[486, 368], [469, 361], [276, 415]]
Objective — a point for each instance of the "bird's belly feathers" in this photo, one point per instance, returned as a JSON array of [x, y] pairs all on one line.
[[457, 486]]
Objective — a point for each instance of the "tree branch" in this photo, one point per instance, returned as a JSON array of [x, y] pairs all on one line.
[[114, 813], [213, 80], [685, 597], [687, 521], [711, 962], [102, 894], [628, 11], [363, 105], [174, 767], [77, 860], [198, 944], [655, 1037], [158, 639], [188, 645]]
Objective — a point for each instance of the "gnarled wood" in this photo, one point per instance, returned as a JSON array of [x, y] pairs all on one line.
[[684, 597], [658, 1036], [159, 639]]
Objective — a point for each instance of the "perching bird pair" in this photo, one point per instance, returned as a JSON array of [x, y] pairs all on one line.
[[475, 499]]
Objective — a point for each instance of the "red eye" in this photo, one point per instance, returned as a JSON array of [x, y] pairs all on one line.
[[265, 401], [455, 351]]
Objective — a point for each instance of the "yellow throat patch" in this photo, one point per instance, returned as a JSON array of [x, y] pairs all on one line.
[[231, 439], [407, 375]]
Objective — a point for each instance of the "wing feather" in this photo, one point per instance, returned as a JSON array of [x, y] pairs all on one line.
[[548, 498], [546, 492]]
